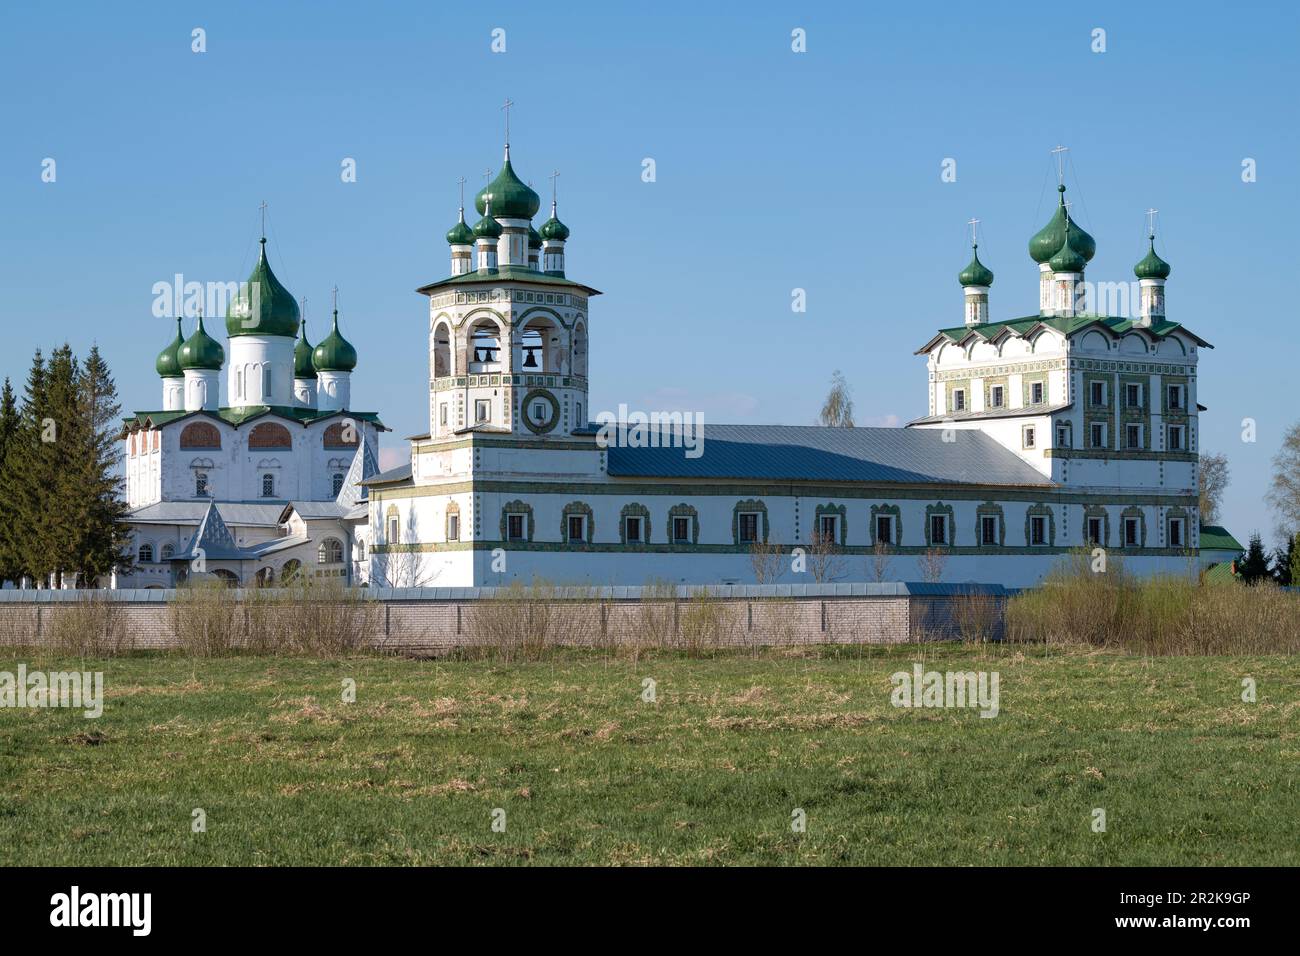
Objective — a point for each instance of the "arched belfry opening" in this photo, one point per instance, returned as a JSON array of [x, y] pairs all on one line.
[[580, 349], [541, 347], [442, 351], [484, 347]]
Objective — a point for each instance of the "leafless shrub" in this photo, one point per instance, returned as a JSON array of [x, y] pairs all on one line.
[[90, 626], [879, 561], [206, 618], [932, 564], [977, 618], [766, 559], [708, 624], [825, 560]]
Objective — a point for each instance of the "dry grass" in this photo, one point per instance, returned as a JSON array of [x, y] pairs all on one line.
[[1157, 616]]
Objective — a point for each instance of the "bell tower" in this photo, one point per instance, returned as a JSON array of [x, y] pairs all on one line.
[[508, 336]]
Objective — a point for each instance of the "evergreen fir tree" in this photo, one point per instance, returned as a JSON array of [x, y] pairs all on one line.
[[8, 431], [20, 481], [1286, 563], [1253, 565], [103, 537], [64, 501]]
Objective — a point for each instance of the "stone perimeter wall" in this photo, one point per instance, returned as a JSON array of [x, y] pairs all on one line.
[[439, 624]]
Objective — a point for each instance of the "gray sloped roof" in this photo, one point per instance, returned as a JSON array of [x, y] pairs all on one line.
[[815, 453], [400, 473], [241, 513]]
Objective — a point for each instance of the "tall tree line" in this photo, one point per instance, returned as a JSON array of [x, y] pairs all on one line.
[[61, 504]]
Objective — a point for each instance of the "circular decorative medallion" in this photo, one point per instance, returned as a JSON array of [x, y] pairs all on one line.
[[541, 411]]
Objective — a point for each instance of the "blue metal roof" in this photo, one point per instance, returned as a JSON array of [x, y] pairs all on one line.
[[815, 453]]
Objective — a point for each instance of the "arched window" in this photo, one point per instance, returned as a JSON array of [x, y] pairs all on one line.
[[168, 550], [330, 552], [290, 570], [441, 350], [200, 484], [268, 486], [270, 435], [541, 347], [342, 435], [146, 554], [337, 483], [200, 435], [361, 551]]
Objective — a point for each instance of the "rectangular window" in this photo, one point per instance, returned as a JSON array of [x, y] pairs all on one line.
[[577, 416], [1175, 398], [995, 396], [827, 528], [1133, 436], [1035, 393], [482, 410], [632, 527], [1097, 393], [1063, 436], [1176, 442], [268, 486], [1095, 527], [200, 485], [959, 400], [1030, 436], [514, 527], [1037, 529], [938, 529], [1175, 532], [748, 528], [884, 529], [577, 528], [266, 382], [1098, 434], [1130, 532], [1133, 395], [239, 383], [442, 414], [681, 530], [393, 536], [453, 527], [540, 412], [989, 530]]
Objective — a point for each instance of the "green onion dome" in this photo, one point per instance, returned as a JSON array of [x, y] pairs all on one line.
[[169, 360], [302, 366], [201, 351], [460, 234], [276, 311], [1047, 241], [509, 196], [553, 228], [487, 228], [1151, 267], [977, 273], [335, 353], [1068, 258], [534, 238]]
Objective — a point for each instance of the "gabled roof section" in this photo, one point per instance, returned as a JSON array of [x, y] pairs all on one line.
[[505, 274], [392, 476], [1066, 325], [815, 453], [364, 466]]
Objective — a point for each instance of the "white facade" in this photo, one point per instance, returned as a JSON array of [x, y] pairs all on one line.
[[510, 460]]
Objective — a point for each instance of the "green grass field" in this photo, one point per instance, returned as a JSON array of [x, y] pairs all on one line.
[[589, 773]]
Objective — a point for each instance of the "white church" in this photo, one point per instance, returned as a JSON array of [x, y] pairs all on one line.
[[1043, 433], [268, 486]]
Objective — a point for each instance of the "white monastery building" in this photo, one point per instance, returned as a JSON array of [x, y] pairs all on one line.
[[1045, 433]]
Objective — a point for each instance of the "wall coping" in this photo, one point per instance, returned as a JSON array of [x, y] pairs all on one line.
[[603, 593]]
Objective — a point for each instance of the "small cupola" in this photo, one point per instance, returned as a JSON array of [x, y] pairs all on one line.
[[486, 233], [1152, 271], [461, 239], [975, 281]]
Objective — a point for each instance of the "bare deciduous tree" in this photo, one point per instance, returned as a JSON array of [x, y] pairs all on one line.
[[766, 558], [837, 412], [1284, 491], [878, 563], [932, 564], [1213, 482], [825, 561]]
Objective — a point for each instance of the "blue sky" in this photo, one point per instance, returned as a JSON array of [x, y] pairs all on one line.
[[775, 170]]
